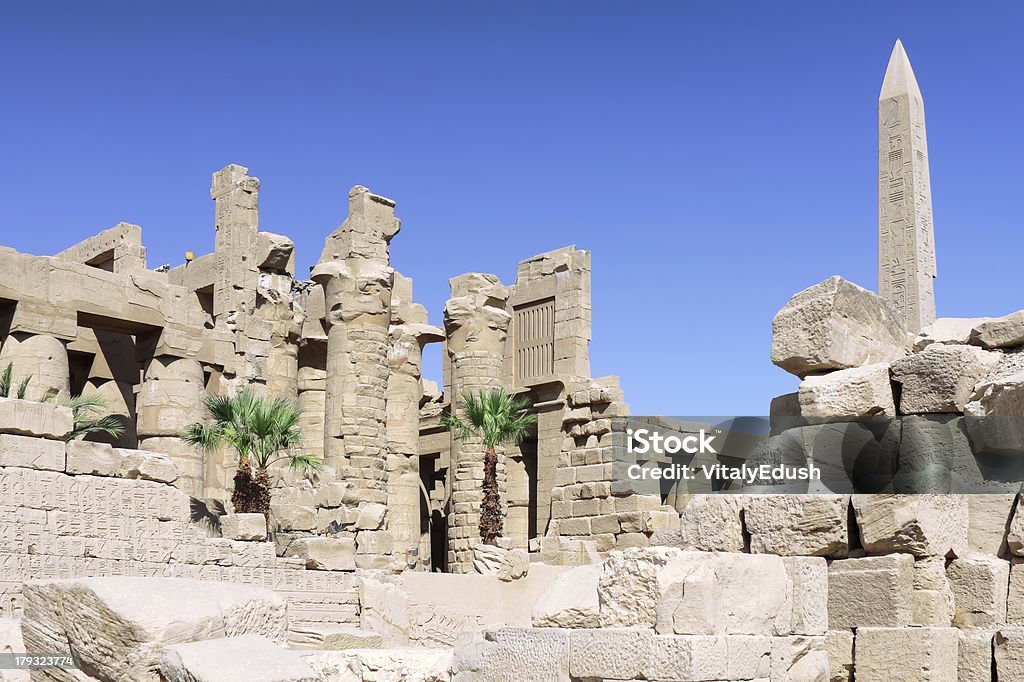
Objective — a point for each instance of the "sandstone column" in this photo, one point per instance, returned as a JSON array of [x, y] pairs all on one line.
[[476, 324], [906, 240], [408, 334], [43, 357], [356, 276], [170, 399]]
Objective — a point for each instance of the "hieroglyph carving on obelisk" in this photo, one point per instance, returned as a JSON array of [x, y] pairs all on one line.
[[906, 241]]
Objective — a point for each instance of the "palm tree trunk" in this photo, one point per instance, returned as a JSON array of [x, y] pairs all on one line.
[[490, 509]]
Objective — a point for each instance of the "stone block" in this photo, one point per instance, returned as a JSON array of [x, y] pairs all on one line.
[[839, 648], [922, 525], [220, 660], [689, 657], [294, 516], [952, 330], [988, 522], [375, 542], [505, 563], [1008, 649], [711, 523], [993, 416], [146, 466], [30, 418], [807, 583], [96, 459], [871, 592], [1000, 332], [1015, 593], [933, 594], [371, 516], [975, 656], [534, 654], [324, 553], [941, 378], [748, 656], [1015, 530], [836, 325], [857, 392], [31, 453], [618, 654], [120, 626], [245, 527], [887, 654], [701, 593], [980, 586], [571, 601], [799, 658], [798, 525]]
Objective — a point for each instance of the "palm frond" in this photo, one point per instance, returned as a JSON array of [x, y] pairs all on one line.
[[494, 415], [5, 380], [82, 405], [50, 395], [109, 425], [23, 387]]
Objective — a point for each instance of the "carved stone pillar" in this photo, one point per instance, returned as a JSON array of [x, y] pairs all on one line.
[[356, 277], [408, 334], [43, 357], [476, 324], [170, 399]]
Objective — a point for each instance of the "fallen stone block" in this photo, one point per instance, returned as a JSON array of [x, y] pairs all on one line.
[[941, 378], [31, 418], [534, 654], [383, 665], [331, 637], [859, 392], [922, 525], [839, 648], [1008, 649], [294, 517], [952, 330], [836, 325], [249, 657], [798, 525], [1000, 332], [571, 601], [975, 656], [994, 415], [506, 564], [887, 654], [31, 453], [710, 523], [933, 594], [120, 626], [244, 527], [980, 585], [384, 608], [871, 592], [324, 553]]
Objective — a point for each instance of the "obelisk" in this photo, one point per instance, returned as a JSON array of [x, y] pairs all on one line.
[[906, 240]]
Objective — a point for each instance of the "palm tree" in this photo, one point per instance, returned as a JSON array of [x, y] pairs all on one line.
[[497, 418], [258, 429]]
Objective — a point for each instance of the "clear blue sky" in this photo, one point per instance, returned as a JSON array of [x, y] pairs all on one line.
[[715, 157]]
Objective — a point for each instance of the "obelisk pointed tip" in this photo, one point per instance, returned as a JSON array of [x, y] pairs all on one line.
[[899, 75]]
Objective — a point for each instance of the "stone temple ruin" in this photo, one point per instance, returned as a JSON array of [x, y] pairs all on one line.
[[126, 554]]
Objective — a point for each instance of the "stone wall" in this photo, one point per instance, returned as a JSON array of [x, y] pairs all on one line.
[[78, 509]]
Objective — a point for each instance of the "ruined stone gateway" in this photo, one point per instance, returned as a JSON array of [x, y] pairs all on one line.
[[125, 552]]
